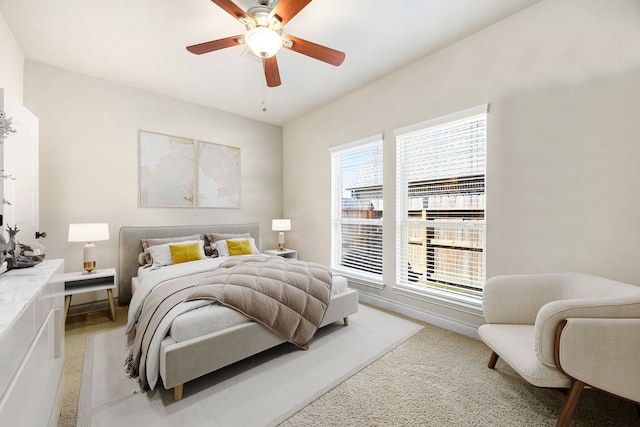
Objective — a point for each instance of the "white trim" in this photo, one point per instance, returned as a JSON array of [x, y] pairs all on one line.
[[440, 320], [450, 300], [357, 144], [447, 118], [357, 280]]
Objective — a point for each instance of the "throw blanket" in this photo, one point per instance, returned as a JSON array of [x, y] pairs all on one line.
[[290, 297], [300, 291]]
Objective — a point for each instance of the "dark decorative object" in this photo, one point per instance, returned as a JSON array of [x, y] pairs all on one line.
[[16, 254]]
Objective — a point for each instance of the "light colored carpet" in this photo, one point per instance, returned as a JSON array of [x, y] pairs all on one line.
[[440, 378], [262, 390]]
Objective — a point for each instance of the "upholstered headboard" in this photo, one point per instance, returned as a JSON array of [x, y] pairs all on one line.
[[130, 246]]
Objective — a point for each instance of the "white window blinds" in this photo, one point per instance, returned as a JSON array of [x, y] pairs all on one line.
[[441, 203], [357, 206]]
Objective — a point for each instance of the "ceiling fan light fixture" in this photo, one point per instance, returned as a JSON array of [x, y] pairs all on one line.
[[263, 41]]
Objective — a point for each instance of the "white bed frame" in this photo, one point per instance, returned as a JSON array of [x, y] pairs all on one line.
[[187, 360]]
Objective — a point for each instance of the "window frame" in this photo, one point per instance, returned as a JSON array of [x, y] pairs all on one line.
[[356, 276], [430, 291]]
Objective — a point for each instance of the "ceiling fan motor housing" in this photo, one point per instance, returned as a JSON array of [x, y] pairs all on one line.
[[260, 16]]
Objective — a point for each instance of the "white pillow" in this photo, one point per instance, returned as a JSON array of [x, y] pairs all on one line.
[[223, 249], [161, 254]]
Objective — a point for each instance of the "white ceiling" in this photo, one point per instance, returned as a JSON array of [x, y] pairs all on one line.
[[141, 43]]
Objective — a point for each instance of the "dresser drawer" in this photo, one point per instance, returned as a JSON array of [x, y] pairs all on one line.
[[36, 378], [14, 346]]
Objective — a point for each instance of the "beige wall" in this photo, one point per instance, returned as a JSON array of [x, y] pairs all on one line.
[[12, 62], [89, 159], [563, 82]]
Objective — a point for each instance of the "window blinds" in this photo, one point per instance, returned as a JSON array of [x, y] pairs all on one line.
[[357, 207], [441, 202]]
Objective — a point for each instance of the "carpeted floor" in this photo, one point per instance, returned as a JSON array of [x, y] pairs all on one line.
[[436, 378]]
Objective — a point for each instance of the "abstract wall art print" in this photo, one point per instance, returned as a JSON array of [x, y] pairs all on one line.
[[166, 172], [218, 175]]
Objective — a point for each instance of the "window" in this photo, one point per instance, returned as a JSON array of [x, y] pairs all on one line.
[[441, 204], [356, 210]]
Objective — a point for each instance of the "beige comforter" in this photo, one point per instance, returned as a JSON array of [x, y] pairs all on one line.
[[289, 297]]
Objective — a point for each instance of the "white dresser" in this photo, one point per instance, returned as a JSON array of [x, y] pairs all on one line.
[[31, 344]]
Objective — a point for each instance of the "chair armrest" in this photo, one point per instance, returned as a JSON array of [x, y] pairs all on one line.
[[516, 299], [604, 353], [551, 314]]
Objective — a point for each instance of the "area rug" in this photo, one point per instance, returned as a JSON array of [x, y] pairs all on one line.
[[260, 391]]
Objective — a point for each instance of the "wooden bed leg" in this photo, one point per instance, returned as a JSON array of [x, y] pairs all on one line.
[[177, 392], [492, 360], [346, 321]]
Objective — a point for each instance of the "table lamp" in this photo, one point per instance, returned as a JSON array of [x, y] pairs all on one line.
[[88, 233], [281, 225]]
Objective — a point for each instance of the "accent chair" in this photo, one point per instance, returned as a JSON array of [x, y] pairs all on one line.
[[564, 332]]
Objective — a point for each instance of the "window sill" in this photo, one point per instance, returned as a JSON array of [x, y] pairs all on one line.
[[446, 299], [371, 282]]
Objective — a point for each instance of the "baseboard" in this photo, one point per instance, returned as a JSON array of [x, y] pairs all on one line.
[[446, 322]]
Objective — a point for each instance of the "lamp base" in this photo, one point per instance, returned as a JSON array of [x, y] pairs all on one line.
[[281, 240], [88, 257], [89, 266]]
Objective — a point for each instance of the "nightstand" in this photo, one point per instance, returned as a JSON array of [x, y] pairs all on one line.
[[284, 253], [81, 282]]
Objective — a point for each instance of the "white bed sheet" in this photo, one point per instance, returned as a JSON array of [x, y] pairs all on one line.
[[215, 317]]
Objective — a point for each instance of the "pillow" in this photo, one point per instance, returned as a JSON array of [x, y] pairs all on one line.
[[214, 237], [185, 252], [223, 249], [161, 254], [239, 247], [147, 243]]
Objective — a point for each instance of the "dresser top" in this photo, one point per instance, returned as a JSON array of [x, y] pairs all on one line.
[[19, 287]]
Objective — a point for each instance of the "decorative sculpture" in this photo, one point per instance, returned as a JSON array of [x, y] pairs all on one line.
[[15, 253], [6, 127]]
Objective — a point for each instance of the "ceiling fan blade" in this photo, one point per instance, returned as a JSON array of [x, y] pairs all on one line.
[[271, 72], [322, 53], [231, 8], [285, 10], [206, 47]]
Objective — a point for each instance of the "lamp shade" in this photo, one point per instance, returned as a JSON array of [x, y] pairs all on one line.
[[281, 225], [263, 41], [88, 232]]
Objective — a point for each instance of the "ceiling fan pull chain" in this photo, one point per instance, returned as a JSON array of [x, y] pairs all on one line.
[[264, 96]]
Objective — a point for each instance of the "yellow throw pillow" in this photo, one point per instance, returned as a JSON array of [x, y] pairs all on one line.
[[239, 247], [185, 253]]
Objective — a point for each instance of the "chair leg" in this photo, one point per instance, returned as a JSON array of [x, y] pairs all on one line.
[[570, 405], [493, 360]]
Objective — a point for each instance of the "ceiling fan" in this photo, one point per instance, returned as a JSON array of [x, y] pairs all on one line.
[[264, 35]]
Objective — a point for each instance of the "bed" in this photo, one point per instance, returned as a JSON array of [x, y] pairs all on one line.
[[194, 352]]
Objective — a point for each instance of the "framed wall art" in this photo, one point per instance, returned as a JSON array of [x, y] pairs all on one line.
[[166, 172], [218, 175], [182, 172]]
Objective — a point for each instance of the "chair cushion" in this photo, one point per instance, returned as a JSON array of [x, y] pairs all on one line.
[[514, 345]]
